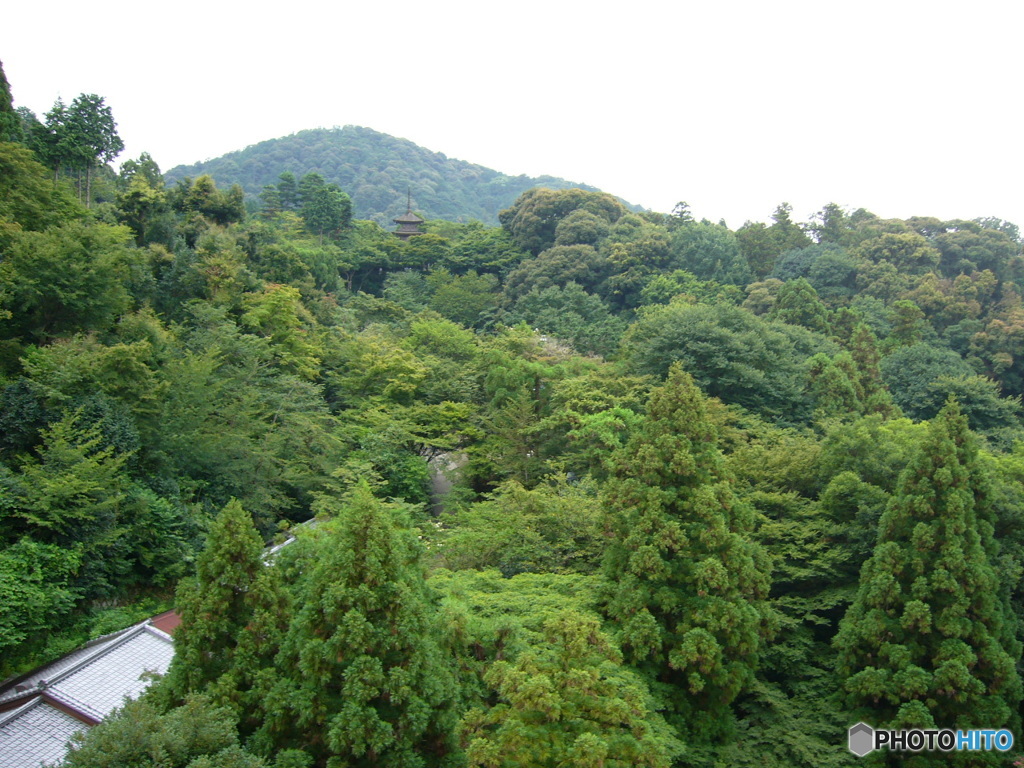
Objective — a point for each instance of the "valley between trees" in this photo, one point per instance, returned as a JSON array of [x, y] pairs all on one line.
[[720, 494]]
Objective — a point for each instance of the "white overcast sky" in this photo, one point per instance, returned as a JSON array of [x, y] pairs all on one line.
[[901, 107]]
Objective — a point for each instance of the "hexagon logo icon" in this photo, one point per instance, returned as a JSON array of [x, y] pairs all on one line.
[[861, 739]]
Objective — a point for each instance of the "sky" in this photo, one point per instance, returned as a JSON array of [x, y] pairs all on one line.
[[734, 106]]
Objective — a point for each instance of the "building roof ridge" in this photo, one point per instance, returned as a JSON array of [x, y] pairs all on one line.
[[14, 714], [92, 657]]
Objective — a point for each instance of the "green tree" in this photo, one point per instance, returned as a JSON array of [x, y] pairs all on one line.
[[797, 303], [930, 639], [568, 703], [141, 203], [572, 315], [288, 191], [834, 386], [921, 377], [688, 586], [28, 198], [711, 252], [733, 354], [72, 494], [10, 123], [36, 593], [468, 299], [271, 200], [202, 198], [326, 209], [278, 314], [553, 528], [558, 266], [146, 167], [362, 680], [761, 245], [214, 607], [66, 279], [197, 734], [56, 144], [534, 218], [94, 132]]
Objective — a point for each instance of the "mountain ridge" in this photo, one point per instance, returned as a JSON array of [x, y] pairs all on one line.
[[378, 171]]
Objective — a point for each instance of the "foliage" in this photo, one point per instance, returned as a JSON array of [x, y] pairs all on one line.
[[215, 606], [572, 315], [711, 252], [930, 640], [569, 703], [553, 528], [361, 677], [28, 198], [733, 354], [687, 585], [35, 590], [196, 735], [534, 218], [65, 279]]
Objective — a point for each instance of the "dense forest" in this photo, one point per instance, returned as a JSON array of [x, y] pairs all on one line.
[[715, 495], [380, 172]]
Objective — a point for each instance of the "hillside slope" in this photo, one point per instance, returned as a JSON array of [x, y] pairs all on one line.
[[377, 171]]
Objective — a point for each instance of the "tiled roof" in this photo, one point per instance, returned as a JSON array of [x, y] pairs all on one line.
[[34, 734], [99, 684], [90, 683], [8, 691]]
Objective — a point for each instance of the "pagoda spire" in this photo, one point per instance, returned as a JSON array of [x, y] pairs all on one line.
[[408, 223]]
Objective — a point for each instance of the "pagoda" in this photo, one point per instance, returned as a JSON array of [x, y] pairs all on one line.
[[408, 223]]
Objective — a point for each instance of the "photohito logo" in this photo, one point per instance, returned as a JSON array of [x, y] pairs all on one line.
[[862, 739]]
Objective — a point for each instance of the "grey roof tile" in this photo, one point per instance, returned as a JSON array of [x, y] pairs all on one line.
[[93, 680], [101, 683], [52, 670], [35, 734]]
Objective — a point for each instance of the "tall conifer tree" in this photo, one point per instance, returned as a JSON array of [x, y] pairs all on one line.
[[690, 587], [362, 681], [929, 640], [214, 606]]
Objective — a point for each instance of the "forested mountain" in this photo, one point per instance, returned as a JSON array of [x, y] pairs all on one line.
[[377, 171], [716, 494]]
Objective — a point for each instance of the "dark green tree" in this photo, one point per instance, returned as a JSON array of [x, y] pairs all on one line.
[[733, 354], [711, 252], [326, 209], [271, 200], [10, 122], [689, 587], [558, 266], [214, 606], [197, 734], [930, 639], [362, 680], [761, 245], [288, 190], [533, 219], [203, 198], [797, 303]]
